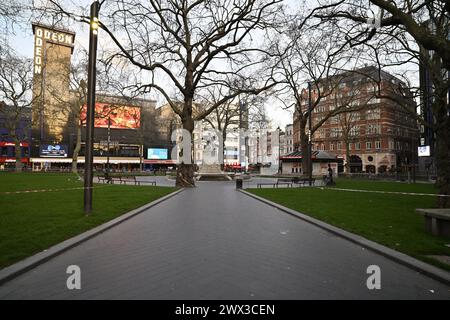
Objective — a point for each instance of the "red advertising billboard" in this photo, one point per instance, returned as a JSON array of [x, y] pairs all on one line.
[[121, 117]]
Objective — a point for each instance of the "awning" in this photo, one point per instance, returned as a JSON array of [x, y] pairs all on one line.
[[317, 155], [154, 161], [112, 160]]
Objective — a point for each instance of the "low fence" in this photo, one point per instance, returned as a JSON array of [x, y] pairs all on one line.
[[389, 176]]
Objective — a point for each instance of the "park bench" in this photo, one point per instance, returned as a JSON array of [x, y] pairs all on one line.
[[125, 179], [260, 184], [306, 181], [151, 182], [287, 182], [437, 221], [133, 179], [104, 179], [303, 181], [117, 179]]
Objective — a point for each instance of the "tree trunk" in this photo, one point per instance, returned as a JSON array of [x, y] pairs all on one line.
[[18, 155], [443, 165], [347, 155], [185, 171], [76, 151], [304, 148], [224, 137]]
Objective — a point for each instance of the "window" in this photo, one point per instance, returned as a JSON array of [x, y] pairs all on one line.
[[335, 132], [374, 100], [354, 131], [339, 146], [321, 133], [357, 145], [373, 114], [319, 109], [331, 146], [334, 120], [368, 145], [373, 129], [354, 103], [391, 144], [350, 146], [377, 144]]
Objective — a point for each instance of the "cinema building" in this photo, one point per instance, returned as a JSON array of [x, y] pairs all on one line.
[[125, 128], [14, 130]]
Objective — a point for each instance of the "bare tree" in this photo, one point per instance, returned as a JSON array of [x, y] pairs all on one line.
[[312, 58], [404, 36], [11, 12], [16, 91], [191, 44]]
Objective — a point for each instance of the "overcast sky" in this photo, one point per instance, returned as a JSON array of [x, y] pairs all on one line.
[[22, 42]]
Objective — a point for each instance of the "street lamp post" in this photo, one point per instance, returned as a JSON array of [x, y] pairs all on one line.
[[89, 156], [310, 164], [107, 146]]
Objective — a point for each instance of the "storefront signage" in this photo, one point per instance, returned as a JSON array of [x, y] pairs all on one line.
[[53, 151]]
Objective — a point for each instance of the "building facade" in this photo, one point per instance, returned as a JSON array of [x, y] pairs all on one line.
[[125, 128], [379, 135], [206, 138], [15, 129]]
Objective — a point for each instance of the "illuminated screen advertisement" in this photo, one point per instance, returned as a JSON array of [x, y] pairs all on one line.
[[423, 151], [157, 154], [53, 151], [122, 117]]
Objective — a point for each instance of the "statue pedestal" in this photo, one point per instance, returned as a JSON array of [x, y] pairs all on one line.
[[211, 172]]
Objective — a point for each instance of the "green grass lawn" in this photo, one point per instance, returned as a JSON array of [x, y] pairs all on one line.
[[389, 219], [32, 222]]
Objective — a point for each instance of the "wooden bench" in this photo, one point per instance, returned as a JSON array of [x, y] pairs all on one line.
[[125, 179], [303, 181], [117, 179], [260, 184], [437, 221], [104, 179], [151, 182], [287, 182]]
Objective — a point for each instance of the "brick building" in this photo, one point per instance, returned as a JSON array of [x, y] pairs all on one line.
[[378, 136]]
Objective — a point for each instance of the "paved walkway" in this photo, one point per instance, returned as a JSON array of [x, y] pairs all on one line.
[[213, 242]]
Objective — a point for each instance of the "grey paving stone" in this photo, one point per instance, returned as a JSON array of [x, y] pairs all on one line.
[[213, 242]]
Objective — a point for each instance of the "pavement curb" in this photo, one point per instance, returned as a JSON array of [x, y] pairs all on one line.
[[29, 263], [413, 263]]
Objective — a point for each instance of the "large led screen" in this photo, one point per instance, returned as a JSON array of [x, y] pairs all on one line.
[[424, 151], [157, 154], [121, 117]]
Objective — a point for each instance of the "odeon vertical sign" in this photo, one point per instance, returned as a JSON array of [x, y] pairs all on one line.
[[43, 35], [53, 48]]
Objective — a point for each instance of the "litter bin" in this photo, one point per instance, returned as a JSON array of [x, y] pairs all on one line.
[[239, 183]]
